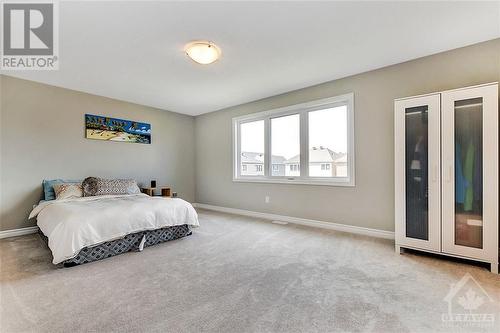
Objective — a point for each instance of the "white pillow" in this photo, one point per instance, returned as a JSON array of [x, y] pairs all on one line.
[[68, 190]]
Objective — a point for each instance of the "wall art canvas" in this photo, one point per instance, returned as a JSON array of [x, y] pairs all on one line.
[[114, 129]]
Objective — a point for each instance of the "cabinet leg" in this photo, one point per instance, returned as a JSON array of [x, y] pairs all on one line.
[[494, 267], [399, 249]]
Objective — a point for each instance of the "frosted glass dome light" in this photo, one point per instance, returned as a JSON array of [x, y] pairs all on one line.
[[203, 52]]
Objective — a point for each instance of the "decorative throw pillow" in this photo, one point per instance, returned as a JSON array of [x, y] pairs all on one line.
[[48, 187], [68, 190], [89, 186], [98, 186]]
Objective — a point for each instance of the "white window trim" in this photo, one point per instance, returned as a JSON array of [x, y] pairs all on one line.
[[301, 109]]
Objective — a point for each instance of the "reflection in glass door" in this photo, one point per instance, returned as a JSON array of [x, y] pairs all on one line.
[[417, 173], [469, 172]]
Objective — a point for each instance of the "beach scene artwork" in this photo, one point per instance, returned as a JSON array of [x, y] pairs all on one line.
[[113, 129]]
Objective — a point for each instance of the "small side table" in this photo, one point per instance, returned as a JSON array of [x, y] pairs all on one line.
[[165, 191]]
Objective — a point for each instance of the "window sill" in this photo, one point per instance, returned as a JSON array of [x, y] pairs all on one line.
[[319, 182]]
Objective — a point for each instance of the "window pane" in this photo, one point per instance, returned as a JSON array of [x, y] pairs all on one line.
[[328, 142], [252, 148], [285, 145]]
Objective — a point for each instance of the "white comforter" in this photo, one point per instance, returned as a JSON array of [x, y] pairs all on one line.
[[72, 224]]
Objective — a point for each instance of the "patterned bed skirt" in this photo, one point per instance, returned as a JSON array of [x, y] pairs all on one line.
[[130, 242]]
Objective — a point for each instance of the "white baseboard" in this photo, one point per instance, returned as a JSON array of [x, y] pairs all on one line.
[[297, 220], [18, 232]]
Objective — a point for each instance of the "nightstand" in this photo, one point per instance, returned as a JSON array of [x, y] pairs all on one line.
[[165, 191]]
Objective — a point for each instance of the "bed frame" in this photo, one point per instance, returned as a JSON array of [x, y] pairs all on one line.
[[128, 243]]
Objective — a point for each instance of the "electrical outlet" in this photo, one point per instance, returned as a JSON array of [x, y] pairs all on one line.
[[267, 199]]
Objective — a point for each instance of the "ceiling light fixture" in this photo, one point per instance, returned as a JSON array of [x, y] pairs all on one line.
[[203, 52]]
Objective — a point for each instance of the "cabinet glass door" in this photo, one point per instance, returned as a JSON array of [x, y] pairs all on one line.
[[470, 172], [417, 172]]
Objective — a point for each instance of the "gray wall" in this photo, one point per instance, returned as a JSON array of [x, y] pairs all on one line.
[[42, 137], [371, 202]]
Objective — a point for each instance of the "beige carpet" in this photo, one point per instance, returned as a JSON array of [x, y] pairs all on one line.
[[237, 274]]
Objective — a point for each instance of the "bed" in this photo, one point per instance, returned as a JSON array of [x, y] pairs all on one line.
[[85, 229]]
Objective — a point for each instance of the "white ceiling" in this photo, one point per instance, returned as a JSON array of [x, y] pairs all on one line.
[[133, 51]]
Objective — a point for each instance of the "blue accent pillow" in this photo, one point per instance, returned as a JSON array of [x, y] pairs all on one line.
[[48, 187]]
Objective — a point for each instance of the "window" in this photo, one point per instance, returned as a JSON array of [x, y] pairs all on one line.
[[252, 148], [285, 142], [309, 143], [327, 140]]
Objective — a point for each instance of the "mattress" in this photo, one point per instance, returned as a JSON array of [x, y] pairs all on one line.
[[131, 242]]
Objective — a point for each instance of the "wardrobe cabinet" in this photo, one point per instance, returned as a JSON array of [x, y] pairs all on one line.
[[446, 173]]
